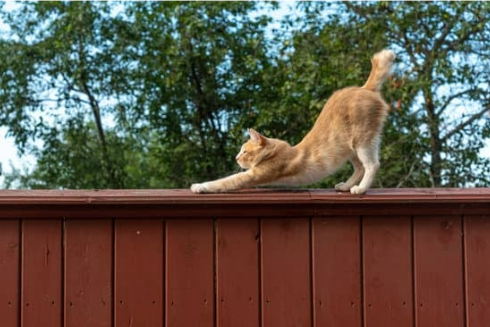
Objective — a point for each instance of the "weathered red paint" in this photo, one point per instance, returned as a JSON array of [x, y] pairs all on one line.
[[9, 272], [337, 271], [138, 272], [190, 273], [88, 272], [262, 258], [247, 203], [438, 260], [286, 272], [41, 288], [387, 271], [237, 270], [477, 270]]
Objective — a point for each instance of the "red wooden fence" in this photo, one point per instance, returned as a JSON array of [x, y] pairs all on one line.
[[263, 258]]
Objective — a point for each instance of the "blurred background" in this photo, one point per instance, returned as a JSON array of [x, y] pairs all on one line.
[[160, 94]]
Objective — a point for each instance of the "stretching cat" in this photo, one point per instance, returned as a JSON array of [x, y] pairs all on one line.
[[348, 128]]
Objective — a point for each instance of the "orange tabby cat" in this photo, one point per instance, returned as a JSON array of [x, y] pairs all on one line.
[[348, 128]]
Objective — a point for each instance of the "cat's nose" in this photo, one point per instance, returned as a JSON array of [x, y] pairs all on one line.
[[237, 156]]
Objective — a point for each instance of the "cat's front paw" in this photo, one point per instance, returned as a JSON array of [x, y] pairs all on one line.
[[357, 190], [341, 187], [200, 188]]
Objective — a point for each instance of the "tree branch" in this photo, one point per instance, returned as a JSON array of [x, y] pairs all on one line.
[[406, 177], [454, 96], [445, 32], [463, 38], [38, 101], [474, 118], [94, 105], [401, 39]]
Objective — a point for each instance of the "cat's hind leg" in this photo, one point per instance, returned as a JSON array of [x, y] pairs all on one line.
[[369, 159], [355, 177]]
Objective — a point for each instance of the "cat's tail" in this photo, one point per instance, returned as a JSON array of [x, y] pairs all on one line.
[[381, 68]]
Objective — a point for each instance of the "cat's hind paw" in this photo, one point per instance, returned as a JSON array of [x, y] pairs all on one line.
[[341, 187], [199, 188], [357, 190]]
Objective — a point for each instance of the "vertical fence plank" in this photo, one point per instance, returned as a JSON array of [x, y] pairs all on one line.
[[42, 273], [9, 272], [438, 261], [190, 273], [336, 271], [286, 272], [238, 273], [477, 239], [387, 259], [88, 273], [138, 287]]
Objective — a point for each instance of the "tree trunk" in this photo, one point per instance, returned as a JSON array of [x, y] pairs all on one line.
[[435, 140], [94, 105], [114, 181]]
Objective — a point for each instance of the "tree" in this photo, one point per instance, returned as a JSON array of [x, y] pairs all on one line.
[[57, 72], [445, 56], [159, 85], [200, 67], [439, 93]]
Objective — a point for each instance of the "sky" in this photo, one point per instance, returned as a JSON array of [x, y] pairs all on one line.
[[9, 156]]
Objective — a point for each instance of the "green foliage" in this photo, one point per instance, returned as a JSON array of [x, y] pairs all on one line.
[[159, 94], [444, 84]]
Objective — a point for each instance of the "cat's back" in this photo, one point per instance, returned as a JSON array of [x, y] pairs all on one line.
[[354, 98], [353, 106], [351, 116]]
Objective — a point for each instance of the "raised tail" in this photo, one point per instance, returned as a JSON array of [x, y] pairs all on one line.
[[381, 69]]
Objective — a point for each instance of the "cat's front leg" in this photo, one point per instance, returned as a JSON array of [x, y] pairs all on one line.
[[200, 188], [230, 183]]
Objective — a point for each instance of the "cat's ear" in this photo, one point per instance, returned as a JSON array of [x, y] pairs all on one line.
[[257, 137]]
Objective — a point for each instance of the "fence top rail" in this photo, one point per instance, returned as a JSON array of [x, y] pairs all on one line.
[[257, 196]]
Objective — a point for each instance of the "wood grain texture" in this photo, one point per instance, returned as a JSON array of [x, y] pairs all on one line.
[[269, 196], [438, 261], [83, 204], [249, 258], [477, 255], [42, 279], [190, 273], [9, 272], [387, 260], [88, 273], [337, 271], [139, 254], [286, 274], [238, 298]]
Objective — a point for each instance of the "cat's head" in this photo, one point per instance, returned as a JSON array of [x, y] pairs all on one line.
[[255, 150]]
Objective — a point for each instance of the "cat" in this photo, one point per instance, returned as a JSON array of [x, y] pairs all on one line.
[[347, 129]]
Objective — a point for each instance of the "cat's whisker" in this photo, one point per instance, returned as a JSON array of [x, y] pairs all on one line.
[[237, 169]]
